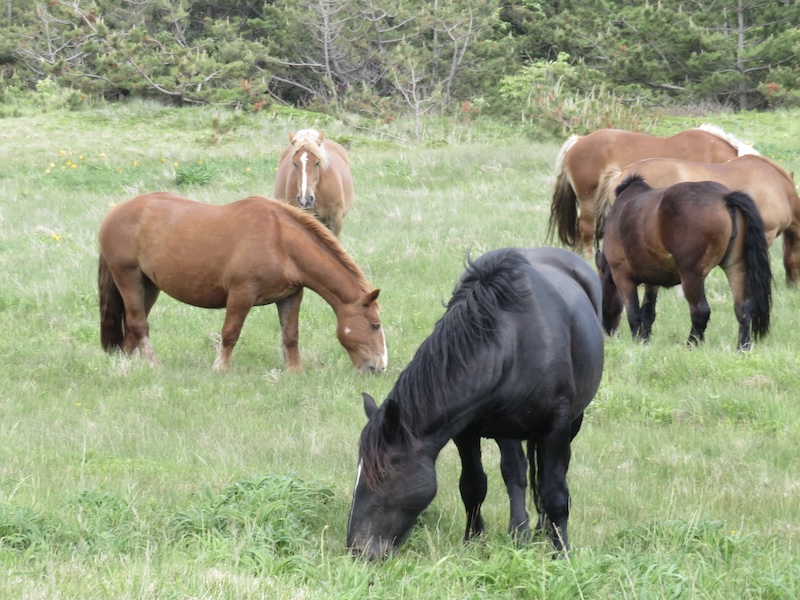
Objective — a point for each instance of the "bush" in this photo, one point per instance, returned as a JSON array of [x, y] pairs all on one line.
[[563, 99]]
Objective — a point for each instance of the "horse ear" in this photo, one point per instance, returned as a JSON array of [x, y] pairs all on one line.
[[372, 297], [321, 137], [291, 136], [369, 404], [391, 419]]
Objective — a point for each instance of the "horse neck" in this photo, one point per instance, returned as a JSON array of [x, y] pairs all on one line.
[[438, 406], [326, 273]]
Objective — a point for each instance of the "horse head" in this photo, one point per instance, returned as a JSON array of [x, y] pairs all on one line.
[[309, 160], [612, 302], [360, 332], [396, 481]]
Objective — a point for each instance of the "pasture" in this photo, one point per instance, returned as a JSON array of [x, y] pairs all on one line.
[[118, 480]]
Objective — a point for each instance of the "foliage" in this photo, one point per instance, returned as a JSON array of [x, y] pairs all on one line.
[[395, 57], [561, 98]]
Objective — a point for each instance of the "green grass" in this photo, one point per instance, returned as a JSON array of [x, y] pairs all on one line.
[[122, 481]]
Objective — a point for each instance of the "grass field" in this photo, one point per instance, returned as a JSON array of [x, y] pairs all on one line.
[[122, 481]]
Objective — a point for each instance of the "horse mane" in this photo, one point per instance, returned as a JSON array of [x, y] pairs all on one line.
[[629, 180], [741, 147], [309, 139], [603, 200], [328, 240], [470, 322]]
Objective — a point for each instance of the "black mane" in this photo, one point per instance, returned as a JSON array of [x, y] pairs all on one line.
[[489, 286], [630, 179]]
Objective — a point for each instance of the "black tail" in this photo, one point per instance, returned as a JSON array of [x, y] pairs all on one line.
[[756, 262], [112, 309]]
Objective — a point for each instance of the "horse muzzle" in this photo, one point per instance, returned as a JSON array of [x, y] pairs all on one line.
[[306, 202]]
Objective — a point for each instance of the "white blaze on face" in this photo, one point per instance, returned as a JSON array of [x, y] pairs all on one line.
[[385, 356], [304, 181], [355, 487]]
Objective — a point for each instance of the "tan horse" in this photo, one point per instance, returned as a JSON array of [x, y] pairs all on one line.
[[765, 181], [582, 159], [314, 174], [235, 256]]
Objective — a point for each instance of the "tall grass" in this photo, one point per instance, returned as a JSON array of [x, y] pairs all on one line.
[[119, 480]]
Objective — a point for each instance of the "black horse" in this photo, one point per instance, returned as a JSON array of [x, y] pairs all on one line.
[[518, 355]]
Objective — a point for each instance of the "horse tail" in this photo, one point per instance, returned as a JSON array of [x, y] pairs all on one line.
[[740, 146], [758, 276], [112, 308], [564, 207], [603, 199]]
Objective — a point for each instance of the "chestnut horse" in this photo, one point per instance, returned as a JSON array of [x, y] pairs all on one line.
[[235, 256], [314, 174], [661, 237], [769, 185], [582, 159]]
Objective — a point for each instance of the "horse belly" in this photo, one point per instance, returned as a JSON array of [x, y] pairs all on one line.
[[197, 289]]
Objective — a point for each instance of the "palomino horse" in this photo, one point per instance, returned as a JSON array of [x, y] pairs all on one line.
[[517, 355], [663, 237], [582, 159], [314, 173], [769, 185], [235, 256]]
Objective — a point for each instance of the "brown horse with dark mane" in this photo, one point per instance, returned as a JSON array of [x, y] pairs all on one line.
[[769, 185], [314, 174], [661, 237], [235, 256], [582, 159]]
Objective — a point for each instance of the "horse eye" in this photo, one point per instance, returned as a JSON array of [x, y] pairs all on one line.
[[375, 326]]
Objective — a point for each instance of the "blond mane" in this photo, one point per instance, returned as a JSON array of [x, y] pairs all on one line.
[[741, 147], [309, 140]]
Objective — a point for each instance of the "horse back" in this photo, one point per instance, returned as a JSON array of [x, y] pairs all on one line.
[[567, 306], [196, 252]]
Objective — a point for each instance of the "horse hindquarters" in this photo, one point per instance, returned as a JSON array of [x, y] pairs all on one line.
[[753, 297]]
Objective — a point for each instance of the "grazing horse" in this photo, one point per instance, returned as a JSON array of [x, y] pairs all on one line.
[[517, 355], [235, 256], [314, 173], [582, 159], [769, 185], [662, 237]]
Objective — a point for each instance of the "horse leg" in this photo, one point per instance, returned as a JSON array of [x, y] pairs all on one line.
[[742, 306], [472, 483], [513, 465], [791, 254], [236, 310], [552, 456], [138, 294], [699, 310], [630, 298], [289, 315], [335, 223], [648, 311], [586, 229]]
